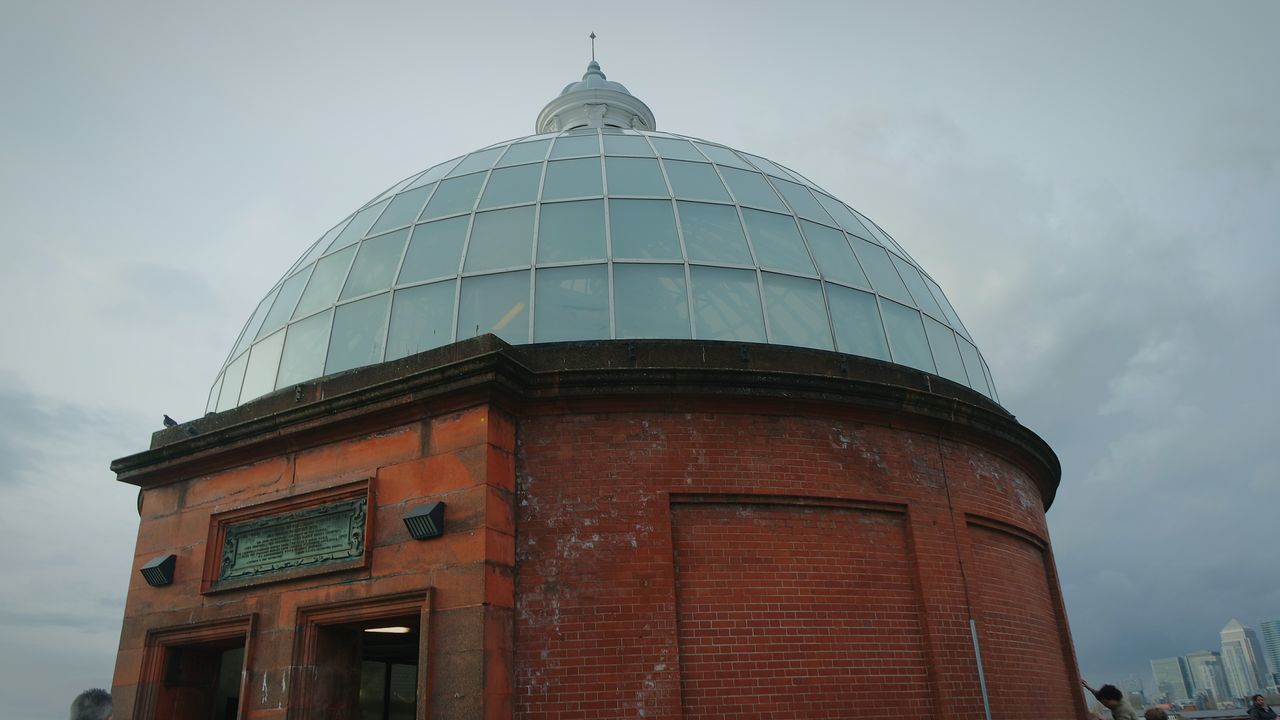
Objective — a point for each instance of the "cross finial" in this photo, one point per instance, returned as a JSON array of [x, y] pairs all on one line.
[[593, 46]]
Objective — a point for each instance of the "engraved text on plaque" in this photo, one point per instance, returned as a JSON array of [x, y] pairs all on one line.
[[322, 535]]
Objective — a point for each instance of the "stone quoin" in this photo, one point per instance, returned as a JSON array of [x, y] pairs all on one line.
[[705, 442]]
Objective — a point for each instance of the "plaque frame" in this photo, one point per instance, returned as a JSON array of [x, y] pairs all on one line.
[[228, 523]]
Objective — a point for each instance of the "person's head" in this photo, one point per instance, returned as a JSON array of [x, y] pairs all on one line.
[[92, 705], [1156, 714], [1110, 696], [1259, 700]]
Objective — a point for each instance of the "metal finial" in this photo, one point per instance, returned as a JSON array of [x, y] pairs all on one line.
[[593, 46]]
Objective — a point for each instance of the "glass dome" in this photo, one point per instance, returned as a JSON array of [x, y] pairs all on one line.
[[593, 234]]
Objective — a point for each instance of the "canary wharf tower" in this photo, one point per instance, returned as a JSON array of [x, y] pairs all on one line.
[[601, 422]]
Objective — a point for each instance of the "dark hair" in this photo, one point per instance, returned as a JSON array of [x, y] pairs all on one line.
[[92, 704], [1255, 697], [1110, 692]]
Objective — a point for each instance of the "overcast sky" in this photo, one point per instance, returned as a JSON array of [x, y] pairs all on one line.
[[1097, 187]]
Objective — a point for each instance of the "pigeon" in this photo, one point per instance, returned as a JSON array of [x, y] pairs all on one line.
[[170, 422]]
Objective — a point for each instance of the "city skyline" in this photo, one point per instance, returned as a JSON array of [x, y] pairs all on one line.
[[1185, 676]]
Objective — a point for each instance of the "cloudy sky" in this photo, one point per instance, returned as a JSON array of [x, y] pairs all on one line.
[[1097, 186]]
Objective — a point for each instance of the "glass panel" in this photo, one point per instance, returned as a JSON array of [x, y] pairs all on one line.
[[403, 210], [677, 149], [512, 186], [726, 304], [375, 265], [304, 350], [373, 685], [695, 181], [234, 375], [435, 250], [572, 303], [576, 146], [842, 215], [357, 227], [751, 188], [635, 176], [359, 333], [627, 145], [906, 335], [857, 322], [723, 156], [911, 276], [571, 231], [801, 201], [402, 702], [991, 384], [497, 304], [941, 298], [767, 166], [322, 244], [572, 178], [945, 352], [883, 237], [476, 161], [973, 367], [777, 241], [326, 281], [435, 173], [501, 239], [532, 151], [212, 405], [255, 322], [264, 359], [643, 229], [712, 233], [797, 312], [421, 319], [835, 258], [649, 301], [884, 278], [282, 308], [456, 195]]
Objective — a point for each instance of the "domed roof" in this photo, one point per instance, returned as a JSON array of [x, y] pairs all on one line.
[[594, 79], [593, 234]]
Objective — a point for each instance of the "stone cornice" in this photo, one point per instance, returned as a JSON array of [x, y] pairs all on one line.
[[599, 375]]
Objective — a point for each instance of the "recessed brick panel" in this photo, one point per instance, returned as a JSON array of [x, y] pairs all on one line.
[[790, 611], [1022, 643]]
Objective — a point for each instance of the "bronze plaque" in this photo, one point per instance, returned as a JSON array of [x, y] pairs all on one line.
[[317, 536]]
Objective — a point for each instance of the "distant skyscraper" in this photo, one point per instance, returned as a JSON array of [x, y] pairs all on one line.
[[1241, 659], [1173, 682], [1208, 679], [1271, 648]]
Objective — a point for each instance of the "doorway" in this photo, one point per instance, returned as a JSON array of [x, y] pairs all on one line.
[[201, 681]]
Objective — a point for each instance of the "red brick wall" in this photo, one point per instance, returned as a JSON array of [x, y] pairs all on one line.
[[1017, 626], [789, 611], [616, 574]]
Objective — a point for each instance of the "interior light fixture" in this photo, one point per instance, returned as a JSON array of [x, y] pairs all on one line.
[[390, 630]]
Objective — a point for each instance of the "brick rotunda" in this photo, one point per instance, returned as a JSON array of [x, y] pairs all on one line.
[[603, 422]]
